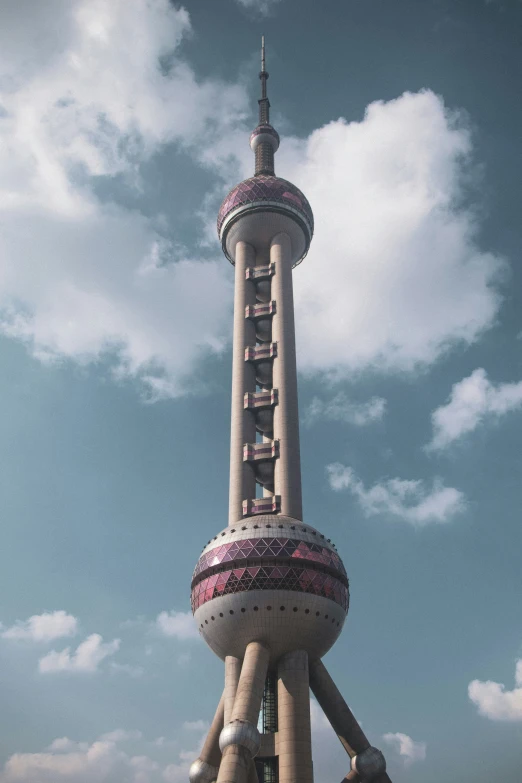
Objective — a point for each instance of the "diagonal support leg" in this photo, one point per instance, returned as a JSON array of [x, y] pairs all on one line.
[[367, 762], [205, 768], [239, 741]]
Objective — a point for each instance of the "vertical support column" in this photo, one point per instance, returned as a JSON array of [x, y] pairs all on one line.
[[232, 674], [295, 737], [287, 478], [240, 739], [243, 430]]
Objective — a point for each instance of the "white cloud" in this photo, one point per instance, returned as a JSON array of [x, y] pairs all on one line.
[[340, 408], [69, 761], [494, 701], [178, 624], [394, 277], [394, 289], [87, 657], [101, 761], [410, 500], [472, 401], [409, 749], [43, 627], [81, 278]]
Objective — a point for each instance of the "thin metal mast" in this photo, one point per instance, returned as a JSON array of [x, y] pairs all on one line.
[[264, 103]]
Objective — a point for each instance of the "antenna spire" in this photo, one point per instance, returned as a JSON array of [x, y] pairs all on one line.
[[264, 103], [264, 140]]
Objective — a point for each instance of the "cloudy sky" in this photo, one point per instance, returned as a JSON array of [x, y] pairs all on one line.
[[122, 125]]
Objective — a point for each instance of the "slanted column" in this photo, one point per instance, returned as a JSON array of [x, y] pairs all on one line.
[[368, 763], [287, 477], [240, 739], [205, 768], [293, 711], [243, 430]]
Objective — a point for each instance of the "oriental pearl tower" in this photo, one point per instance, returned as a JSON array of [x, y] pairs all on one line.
[[270, 592]]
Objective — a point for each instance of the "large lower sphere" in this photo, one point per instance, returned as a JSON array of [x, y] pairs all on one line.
[[271, 579]]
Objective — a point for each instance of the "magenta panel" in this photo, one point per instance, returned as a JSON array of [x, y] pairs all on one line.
[[265, 187], [295, 578], [263, 548]]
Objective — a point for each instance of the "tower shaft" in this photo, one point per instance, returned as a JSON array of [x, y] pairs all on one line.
[[287, 468], [264, 385], [269, 593], [243, 427]]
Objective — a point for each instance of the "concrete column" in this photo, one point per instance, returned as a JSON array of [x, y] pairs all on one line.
[[293, 698], [251, 684], [236, 759], [340, 716], [210, 752], [287, 479], [336, 710], [205, 768], [232, 672], [243, 430]]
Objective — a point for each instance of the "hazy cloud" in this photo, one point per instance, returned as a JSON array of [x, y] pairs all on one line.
[[121, 735], [410, 500], [341, 408], [473, 401], [262, 7]]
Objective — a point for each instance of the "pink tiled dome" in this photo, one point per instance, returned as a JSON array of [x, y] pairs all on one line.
[[266, 187]]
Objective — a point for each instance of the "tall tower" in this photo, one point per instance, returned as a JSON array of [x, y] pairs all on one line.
[[269, 592]]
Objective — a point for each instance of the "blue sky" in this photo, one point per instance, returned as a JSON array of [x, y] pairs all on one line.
[[122, 126]]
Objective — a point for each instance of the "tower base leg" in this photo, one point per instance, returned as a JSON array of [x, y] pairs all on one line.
[[367, 763], [239, 740], [205, 768], [295, 738]]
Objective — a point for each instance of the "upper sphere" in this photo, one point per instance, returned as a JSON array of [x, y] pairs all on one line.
[[279, 206], [264, 133]]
